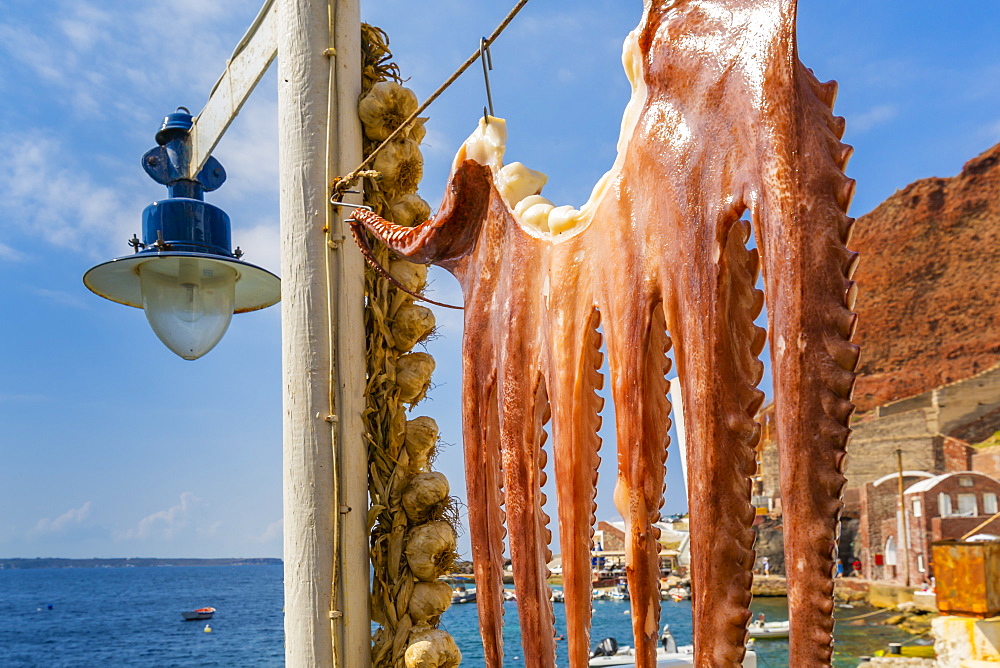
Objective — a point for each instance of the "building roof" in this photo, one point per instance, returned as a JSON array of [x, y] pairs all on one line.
[[931, 483], [906, 474]]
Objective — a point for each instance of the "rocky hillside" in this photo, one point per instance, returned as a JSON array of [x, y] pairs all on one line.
[[929, 284]]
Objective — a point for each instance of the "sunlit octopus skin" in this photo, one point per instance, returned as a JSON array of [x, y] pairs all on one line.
[[731, 123]]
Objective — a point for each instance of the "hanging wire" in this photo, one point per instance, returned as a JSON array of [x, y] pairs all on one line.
[[487, 60], [341, 184]]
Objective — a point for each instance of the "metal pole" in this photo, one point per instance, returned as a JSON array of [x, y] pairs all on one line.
[[322, 340], [904, 525]]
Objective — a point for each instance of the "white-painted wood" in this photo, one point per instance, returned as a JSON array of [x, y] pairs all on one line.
[[249, 63], [350, 345], [315, 635]]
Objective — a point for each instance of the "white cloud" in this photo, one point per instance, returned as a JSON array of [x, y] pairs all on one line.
[[260, 243], [165, 523], [45, 196], [875, 116], [8, 254], [60, 297], [72, 517], [272, 531]]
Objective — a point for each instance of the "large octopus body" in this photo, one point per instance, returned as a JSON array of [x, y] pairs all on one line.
[[728, 121]]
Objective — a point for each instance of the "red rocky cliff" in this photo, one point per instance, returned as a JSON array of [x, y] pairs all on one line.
[[929, 284]]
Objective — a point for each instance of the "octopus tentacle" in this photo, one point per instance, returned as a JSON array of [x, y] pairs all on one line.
[[484, 479], [574, 377], [452, 232], [636, 356], [810, 299], [715, 339], [525, 412]]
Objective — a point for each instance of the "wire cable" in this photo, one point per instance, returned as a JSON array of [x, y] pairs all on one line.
[[343, 183]]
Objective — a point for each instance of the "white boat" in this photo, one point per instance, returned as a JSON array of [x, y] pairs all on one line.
[[619, 593], [682, 658], [677, 594], [463, 595], [761, 631]]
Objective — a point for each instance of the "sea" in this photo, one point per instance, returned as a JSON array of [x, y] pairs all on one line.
[[130, 618]]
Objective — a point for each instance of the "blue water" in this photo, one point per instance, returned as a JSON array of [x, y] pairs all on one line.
[[854, 638], [130, 618]]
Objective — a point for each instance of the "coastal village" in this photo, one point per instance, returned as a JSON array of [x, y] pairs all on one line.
[[874, 511]]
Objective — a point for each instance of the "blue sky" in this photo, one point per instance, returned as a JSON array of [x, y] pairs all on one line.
[[110, 445]]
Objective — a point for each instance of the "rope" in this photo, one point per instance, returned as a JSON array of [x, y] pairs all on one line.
[[867, 614], [341, 184]]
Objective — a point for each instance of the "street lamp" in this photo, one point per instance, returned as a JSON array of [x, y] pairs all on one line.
[[183, 273]]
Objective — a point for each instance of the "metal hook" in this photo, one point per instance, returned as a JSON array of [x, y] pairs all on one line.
[[484, 55], [348, 204]]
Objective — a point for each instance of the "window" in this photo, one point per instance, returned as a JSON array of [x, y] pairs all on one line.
[[967, 506], [944, 505], [890, 551], [964, 481], [989, 503], [920, 563], [918, 510]]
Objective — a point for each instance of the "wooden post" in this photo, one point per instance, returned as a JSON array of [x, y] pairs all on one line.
[[904, 525], [322, 337]]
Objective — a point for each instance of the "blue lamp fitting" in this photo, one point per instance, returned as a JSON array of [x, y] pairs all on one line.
[[182, 226], [184, 222]]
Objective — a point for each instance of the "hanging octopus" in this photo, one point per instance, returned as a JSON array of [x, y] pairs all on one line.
[[724, 122]]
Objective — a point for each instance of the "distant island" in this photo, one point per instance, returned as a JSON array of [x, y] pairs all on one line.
[[131, 562]]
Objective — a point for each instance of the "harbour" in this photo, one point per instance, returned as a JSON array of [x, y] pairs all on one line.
[[138, 624]]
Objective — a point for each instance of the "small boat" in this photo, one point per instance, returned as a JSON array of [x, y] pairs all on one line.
[[610, 654], [678, 594], [199, 614], [558, 596], [463, 595], [619, 593], [509, 595], [764, 630]]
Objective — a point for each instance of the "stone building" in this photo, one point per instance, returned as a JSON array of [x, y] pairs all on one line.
[[929, 330], [934, 431], [941, 507], [608, 551]]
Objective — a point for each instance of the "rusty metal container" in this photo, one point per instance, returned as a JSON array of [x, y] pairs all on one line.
[[967, 577]]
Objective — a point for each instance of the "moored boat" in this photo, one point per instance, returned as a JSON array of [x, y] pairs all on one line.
[[463, 595], [200, 613], [763, 630], [625, 656]]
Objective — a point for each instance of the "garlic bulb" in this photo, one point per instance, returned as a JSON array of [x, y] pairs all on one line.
[[430, 550], [401, 166], [385, 107], [412, 276], [431, 648], [417, 129], [411, 325], [423, 495], [413, 376], [429, 599], [421, 437], [409, 210]]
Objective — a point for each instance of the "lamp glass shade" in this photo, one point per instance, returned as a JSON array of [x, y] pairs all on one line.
[[189, 302]]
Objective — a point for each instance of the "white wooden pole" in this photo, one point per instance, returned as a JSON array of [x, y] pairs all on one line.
[[321, 625], [350, 347]]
